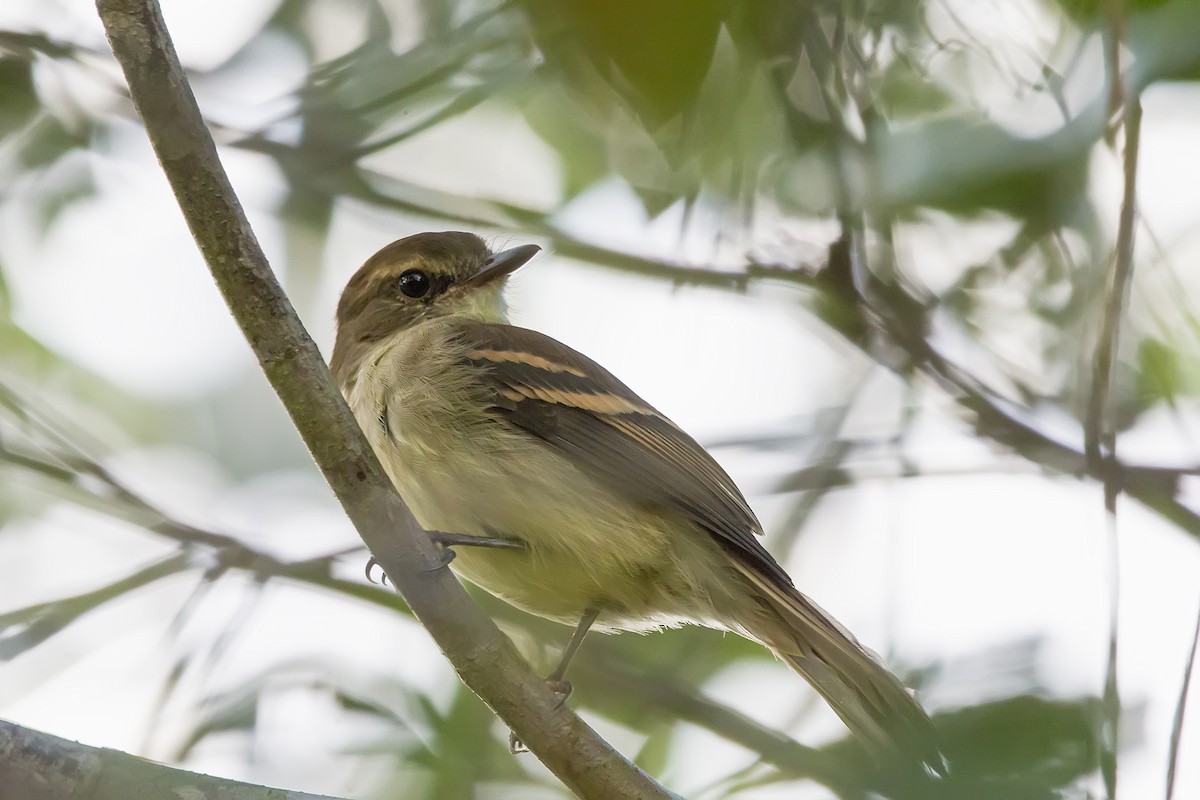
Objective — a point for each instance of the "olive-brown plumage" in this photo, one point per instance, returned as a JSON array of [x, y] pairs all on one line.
[[502, 433]]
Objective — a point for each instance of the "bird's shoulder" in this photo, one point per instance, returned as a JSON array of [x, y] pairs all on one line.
[[539, 367]]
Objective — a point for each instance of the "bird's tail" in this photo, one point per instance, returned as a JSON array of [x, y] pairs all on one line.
[[874, 705]]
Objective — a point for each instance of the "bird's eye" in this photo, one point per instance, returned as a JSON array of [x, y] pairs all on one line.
[[415, 283]]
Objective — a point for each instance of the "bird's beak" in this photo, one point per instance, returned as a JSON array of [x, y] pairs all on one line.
[[502, 264]]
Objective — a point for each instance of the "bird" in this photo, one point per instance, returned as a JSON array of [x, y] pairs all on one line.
[[586, 505]]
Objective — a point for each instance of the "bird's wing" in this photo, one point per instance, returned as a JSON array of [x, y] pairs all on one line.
[[577, 407]]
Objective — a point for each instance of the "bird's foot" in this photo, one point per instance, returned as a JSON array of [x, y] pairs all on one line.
[[446, 542], [562, 689]]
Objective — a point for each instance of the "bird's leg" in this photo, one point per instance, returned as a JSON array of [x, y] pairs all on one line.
[[447, 541], [556, 679]]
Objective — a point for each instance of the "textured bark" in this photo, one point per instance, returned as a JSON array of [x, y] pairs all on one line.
[[38, 766], [484, 658]]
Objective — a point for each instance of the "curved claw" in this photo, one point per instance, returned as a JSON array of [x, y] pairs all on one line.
[[446, 555], [561, 688], [371, 562], [515, 745]]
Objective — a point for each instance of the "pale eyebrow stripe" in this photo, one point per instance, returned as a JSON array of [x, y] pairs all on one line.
[[529, 359]]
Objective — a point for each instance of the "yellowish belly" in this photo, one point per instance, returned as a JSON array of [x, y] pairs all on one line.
[[583, 548]]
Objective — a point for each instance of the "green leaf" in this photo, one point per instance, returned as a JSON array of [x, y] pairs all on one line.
[[654, 55], [18, 98], [1163, 373]]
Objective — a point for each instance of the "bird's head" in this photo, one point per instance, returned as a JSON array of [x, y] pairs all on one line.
[[418, 278]]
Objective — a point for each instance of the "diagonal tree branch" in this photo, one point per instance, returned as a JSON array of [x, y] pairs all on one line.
[[484, 658]]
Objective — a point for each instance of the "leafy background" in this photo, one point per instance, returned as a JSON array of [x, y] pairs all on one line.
[[912, 421]]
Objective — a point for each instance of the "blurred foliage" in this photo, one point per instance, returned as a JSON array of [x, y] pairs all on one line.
[[766, 116]]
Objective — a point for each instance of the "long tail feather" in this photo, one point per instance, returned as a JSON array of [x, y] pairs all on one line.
[[874, 705]]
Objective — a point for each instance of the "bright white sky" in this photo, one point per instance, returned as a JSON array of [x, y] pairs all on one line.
[[929, 569]]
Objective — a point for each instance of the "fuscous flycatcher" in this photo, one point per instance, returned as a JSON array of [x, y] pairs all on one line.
[[613, 516]]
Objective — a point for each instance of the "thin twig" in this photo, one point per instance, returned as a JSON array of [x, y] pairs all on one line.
[[1101, 426], [1180, 707]]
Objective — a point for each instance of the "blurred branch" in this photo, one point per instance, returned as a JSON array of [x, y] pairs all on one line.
[[485, 659], [38, 766], [891, 306], [386, 191], [34, 624], [1100, 428], [901, 320], [26, 45], [1180, 708]]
